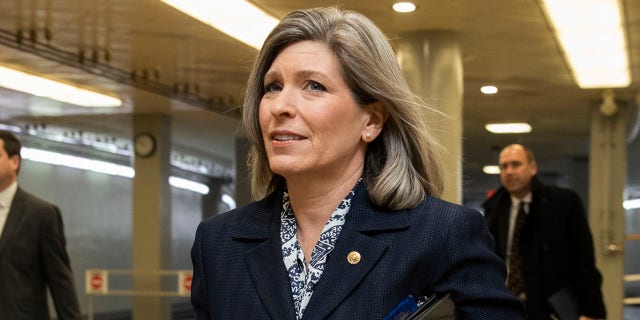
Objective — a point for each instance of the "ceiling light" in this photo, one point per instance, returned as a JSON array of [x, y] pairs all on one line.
[[239, 19], [592, 38], [489, 89], [491, 169], [404, 7], [38, 86], [508, 127]]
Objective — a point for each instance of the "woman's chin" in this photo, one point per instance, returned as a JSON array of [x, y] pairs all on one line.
[[286, 170]]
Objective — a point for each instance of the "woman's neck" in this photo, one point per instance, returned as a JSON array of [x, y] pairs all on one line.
[[314, 193], [315, 199], [313, 203]]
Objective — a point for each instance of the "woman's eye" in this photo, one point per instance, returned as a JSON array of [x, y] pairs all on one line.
[[273, 86], [314, 86]]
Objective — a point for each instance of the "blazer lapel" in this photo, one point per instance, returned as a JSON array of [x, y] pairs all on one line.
[[264, 261], [13, 219], [340, 277], [270, 279]]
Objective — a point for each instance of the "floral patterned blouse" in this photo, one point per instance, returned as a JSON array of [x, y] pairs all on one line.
[[303, 279]]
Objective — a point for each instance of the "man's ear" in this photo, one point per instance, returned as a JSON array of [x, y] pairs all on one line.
[[378, 115], [534, 168], [14, 163]]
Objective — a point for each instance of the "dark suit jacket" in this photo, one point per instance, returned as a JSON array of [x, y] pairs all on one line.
[[32, 257], [556, 248], [437, 247]]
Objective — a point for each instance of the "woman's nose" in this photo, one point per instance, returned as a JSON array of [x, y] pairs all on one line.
[[284, 104]]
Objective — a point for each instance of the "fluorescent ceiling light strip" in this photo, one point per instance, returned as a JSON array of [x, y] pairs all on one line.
[[631, 204], [75, 162], [188, 185], [592, 37], [517, 127], [98, 166], [38, 86], [237, 18], [15, 129]]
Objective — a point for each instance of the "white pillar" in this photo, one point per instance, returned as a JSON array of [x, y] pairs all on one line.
[[432, 64], [151, 230], [607, 173]]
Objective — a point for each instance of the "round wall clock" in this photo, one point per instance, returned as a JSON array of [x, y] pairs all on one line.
[[144, 144]]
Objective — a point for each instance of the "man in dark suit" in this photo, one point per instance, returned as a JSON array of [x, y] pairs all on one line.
[[32, 248], [552, 248]]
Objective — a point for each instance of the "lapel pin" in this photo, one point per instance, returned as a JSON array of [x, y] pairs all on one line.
[[354, 257]]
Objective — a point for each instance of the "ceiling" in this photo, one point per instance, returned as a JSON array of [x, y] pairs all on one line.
[[162, 61]]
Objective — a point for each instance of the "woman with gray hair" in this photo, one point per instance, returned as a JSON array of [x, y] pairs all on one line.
[[347, 222]]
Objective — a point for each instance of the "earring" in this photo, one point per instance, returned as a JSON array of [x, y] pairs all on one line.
[[368, 135]]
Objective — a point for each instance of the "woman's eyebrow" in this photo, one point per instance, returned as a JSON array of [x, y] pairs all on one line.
[[270, 75], [301, 74]]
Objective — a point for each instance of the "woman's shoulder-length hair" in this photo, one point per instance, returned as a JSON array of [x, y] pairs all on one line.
[[403, 165]]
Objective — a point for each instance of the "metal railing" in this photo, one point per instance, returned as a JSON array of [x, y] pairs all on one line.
[[632, 278], [97, 284]]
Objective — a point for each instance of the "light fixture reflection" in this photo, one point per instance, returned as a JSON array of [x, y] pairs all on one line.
[[39, 86], [113, 169], [518, 127], [239, 19]]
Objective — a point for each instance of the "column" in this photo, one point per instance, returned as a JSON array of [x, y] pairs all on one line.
[[432, 64], [151, 230], [607, 173]]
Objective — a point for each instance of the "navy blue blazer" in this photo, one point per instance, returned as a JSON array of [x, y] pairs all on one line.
[[437, 247]]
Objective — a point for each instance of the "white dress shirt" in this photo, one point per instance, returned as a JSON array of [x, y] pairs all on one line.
[[6, 197]]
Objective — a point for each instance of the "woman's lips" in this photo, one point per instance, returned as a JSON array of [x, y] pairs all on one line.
[[286, 137]]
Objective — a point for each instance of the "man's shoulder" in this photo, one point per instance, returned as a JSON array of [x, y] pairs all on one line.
[[557, 192], [498, 198], [31, 200]]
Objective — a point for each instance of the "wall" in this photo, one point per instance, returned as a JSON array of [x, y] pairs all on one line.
[[96, 210]]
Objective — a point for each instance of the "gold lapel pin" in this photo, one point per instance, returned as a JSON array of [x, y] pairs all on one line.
[[354, 257]]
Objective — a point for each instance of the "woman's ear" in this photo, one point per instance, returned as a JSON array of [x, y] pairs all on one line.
[[378, 115]]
